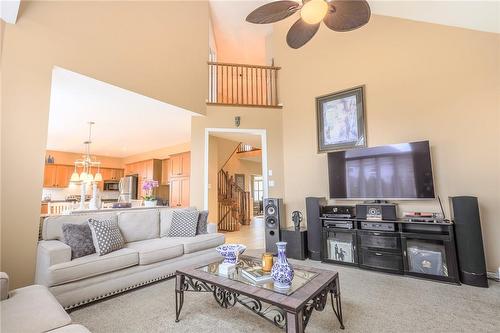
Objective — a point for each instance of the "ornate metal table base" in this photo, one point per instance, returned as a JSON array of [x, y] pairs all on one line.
[[227, 298]]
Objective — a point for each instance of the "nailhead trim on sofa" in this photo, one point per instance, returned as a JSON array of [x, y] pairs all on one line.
[[90, 300]]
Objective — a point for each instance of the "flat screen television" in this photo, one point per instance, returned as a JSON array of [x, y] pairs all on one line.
[[398, 172]]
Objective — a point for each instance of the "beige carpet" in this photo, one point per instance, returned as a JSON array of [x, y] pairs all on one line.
[[372, 302]]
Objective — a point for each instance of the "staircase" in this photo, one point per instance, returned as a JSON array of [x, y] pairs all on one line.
[[234, 203]]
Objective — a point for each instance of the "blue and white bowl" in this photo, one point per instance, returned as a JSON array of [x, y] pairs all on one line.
[[230, 252]]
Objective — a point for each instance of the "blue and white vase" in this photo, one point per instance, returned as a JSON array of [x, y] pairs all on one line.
[[282, 271]]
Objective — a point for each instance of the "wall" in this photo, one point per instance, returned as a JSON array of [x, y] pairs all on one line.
[[251, 118], [133, 45], [62, 157], [160, 154], [423, 81]]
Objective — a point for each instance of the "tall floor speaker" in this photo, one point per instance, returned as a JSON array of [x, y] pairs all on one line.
[[314, 226], [273, 216], [471, 262]]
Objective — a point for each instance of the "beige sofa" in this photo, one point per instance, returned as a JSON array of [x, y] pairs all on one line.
[[33, 309], [149, 256]]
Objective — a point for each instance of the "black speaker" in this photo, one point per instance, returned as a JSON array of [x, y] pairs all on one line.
[[376, 211], [273, 215], [471, 262], [314, 226]]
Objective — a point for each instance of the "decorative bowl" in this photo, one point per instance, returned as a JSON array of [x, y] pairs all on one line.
[[230, 252]]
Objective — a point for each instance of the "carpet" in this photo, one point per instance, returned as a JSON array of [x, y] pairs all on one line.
[[371, 302]]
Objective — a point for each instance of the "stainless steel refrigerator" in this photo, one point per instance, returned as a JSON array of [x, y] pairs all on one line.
[[128, 188]]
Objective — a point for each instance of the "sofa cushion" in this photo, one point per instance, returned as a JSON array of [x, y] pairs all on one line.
[[184, 223], [79, 238], [155, 250], [139, 225], [52, 225], [199, 242], [106, 235], [166, 219], [91, 265], [32, 309]]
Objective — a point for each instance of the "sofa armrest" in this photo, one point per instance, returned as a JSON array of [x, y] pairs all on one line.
[[49, 253], [4, 286], [211, 228]]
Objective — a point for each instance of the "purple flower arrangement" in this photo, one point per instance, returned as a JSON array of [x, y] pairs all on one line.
[[148, 186]]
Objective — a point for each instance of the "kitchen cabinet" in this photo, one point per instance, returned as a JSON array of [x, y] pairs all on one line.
[[179, 192], [165, 167], [56, 175], [149, 169], [180, 165]]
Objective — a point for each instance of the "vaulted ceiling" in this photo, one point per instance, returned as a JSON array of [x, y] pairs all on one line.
[[239, 41]]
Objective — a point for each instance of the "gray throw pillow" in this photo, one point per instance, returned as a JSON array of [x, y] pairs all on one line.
[[202, 223], [79, 238], [184, 223], [106, 235]]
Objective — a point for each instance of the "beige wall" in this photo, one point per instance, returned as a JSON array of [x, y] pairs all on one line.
[[251, 118], [62, 157], [423, 81], [160, 154], [133, 45]]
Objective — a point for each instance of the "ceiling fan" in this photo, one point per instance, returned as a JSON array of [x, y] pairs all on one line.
[[338, 15]]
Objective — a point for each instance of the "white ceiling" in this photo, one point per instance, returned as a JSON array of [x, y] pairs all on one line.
[[9, 10], [475, 14], [245, 42], [126, 123]]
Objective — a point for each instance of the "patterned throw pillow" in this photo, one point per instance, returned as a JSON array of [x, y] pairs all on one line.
[[184, 223], [79, 238], [106, 235], [202, 223]]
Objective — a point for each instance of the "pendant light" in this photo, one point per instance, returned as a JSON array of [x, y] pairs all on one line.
[[86, 164]]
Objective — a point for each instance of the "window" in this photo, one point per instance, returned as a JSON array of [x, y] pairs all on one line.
[[258, 188]]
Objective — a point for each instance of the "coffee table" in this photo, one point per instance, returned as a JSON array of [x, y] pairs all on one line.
[[288, 309]]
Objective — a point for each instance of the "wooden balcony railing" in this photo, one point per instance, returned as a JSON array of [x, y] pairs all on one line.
[[243, 85]]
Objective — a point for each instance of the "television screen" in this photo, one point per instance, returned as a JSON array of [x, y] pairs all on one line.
[[400, 171]]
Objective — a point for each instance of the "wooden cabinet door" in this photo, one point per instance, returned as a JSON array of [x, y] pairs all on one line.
[[116, 174], [184, 192], [165, 176], [175, 192], [148, 169], [107, 174], [63, 174], [49, 176], [186, 164], [175, 165]]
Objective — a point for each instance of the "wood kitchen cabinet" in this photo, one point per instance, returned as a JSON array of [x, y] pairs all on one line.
[[56, 175], [149, 169], [179, 192], [180, 165], [165, 171]]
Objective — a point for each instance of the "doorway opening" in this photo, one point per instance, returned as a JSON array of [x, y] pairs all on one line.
[[236, 183]]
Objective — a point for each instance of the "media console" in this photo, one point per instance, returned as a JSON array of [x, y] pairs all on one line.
[[421, 249]]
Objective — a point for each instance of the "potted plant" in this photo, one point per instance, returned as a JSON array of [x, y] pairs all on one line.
[[148, 186]]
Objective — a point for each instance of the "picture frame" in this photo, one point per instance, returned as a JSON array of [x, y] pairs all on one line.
[[340, 119]]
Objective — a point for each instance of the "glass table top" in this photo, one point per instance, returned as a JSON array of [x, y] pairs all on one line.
[[301, 277]]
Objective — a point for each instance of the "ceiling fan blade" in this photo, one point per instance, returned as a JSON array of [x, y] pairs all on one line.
[[346, 15], [300, 33], [273, 12]]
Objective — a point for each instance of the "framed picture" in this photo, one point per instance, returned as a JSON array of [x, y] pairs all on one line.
[[341, 120]]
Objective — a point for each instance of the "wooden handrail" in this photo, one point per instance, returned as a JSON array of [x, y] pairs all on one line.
[[234, 203], [241, 65], [243, 85]]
